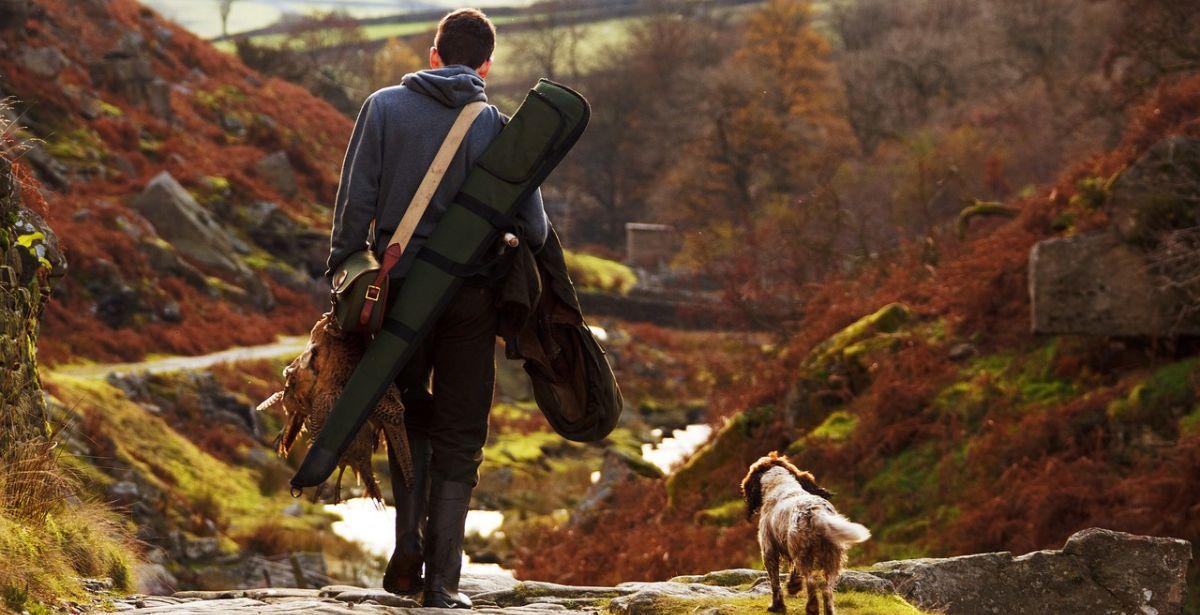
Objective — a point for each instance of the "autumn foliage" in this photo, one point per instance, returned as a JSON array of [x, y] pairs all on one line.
[[1038, 456], [224, 119]]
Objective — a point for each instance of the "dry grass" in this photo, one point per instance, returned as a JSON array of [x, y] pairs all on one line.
[[49, 539]]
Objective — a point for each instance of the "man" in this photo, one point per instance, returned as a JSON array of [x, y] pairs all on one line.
[[398, 132]]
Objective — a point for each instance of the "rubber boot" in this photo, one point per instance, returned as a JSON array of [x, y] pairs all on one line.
[[403, 575], [448, 505]]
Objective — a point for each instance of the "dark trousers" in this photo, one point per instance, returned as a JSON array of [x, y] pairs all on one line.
[[447, 386]]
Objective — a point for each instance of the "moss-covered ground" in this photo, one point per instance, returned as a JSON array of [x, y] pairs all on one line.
[[237, 496], [847, 603]]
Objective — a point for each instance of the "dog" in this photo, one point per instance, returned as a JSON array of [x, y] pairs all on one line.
[[312, 384], [797, 523]]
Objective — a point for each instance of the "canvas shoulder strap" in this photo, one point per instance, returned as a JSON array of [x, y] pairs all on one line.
[[433, 177]]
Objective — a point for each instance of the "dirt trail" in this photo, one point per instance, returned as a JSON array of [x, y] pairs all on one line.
[[284, 347]]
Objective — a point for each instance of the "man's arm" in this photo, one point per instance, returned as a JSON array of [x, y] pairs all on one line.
[[532, 217], [358, 191]]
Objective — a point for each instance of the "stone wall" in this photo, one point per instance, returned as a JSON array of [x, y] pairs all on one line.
[[29, 257]]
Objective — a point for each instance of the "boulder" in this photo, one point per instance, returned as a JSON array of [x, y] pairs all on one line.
[[164, 260], [615, 474], [222, 407], [128, 70], [850, 580], [276, 170], [45, 62], [117, 302], [217, 404], [1098, 571], [476, 583], [192, 231], [303, 570], [867, 583], [198, 549], [1097, 284], [724, 578], [285, 238], [124, 493], [154, 580], [1159, 192], [49, 169]]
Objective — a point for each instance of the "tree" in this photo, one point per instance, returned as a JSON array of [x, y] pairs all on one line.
[[225, 7], [773, 135], [773, 122], [635, 131], [1154, 39], [549, 46], [396, 59]]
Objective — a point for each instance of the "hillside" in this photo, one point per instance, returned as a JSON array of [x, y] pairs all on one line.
[[189, 196], [917, 393], [117, 96]]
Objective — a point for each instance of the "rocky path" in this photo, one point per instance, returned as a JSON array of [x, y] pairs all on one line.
[[1097, 572], [288, 346], [501, 594]]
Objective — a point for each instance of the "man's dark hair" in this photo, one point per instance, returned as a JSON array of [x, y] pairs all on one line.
[[467, 37]]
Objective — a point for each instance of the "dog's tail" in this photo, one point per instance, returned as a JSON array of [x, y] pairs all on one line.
[[840, 529]]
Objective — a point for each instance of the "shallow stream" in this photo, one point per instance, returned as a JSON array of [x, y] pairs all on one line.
[[372, 525]]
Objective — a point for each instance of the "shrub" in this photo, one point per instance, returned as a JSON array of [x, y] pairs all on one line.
[[599, 274]]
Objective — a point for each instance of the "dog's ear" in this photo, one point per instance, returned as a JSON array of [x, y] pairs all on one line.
[[810, 485], [751, 485], [752, 489]]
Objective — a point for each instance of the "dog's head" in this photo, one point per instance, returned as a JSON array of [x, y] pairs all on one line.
[[752, 489]]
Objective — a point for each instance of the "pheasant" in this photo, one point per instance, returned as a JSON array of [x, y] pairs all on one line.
[[312, 384]]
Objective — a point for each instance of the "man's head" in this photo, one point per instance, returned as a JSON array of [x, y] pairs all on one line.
[[466, 37]]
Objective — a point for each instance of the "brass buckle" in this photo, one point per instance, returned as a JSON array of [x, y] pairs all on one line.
[[373, 292]]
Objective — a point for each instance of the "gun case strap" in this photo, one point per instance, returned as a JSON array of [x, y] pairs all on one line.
[[417, 206]]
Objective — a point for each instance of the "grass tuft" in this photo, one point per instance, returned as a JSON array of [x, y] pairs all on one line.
[[49, 539]]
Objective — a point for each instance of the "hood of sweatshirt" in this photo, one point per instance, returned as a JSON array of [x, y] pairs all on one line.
[[453, 86]]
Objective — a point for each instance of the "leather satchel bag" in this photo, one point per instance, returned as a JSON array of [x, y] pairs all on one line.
[[360, 283]]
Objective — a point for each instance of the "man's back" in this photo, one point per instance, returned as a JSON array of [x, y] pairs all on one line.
[[398, 133]]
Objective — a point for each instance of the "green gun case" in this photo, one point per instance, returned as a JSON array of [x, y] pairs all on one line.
[[546, 126]]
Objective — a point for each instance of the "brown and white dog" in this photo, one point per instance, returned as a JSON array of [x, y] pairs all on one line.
[[798, 524]]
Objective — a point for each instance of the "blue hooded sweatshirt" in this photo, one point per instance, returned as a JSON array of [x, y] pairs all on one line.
[[398, 132]]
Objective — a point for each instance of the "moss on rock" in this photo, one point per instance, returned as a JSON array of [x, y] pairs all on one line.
[[638, 464], [725, 514], [729, 442], [838, 426], [887, 319]]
